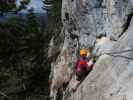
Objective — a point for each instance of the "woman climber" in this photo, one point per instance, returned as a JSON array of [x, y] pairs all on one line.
[[82, 66]]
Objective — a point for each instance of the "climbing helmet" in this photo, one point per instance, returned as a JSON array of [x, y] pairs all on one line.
[[83, 52]]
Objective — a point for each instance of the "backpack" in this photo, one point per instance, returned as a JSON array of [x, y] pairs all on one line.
[[81, 66]]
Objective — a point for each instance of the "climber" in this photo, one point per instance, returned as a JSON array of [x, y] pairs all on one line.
[[82, 66]]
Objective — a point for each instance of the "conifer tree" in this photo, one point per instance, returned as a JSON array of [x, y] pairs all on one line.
[[7, 5], [32, 24]]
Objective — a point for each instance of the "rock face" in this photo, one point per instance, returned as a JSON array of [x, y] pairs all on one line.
[[83, 21]]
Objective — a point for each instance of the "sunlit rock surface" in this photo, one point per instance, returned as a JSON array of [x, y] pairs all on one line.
[[83, 21]]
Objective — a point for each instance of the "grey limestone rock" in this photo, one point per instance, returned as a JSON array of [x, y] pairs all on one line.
[[83, 21]]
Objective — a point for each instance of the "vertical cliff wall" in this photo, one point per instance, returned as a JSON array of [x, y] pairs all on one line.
[[83, 21]]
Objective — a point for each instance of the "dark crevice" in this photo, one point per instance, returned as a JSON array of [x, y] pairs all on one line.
[[54, 57], [101, 35], [59, 94], [127, 24], [73, 36], [67, 16]]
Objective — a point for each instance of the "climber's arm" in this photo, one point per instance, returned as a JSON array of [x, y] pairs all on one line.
[[90, 64]]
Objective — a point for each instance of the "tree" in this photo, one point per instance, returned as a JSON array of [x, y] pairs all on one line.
[[22, 55], [23, 4], [7, 5], [24, 66], [32, 24], [10, 6]]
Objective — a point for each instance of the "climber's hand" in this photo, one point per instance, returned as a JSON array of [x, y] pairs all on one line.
[[90, 63], [94, 59]]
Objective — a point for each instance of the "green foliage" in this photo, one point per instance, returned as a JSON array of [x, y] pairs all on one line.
[[56, 10], [10, 5], [5, 5], [55, 24], [32, 23], [23, 64]]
